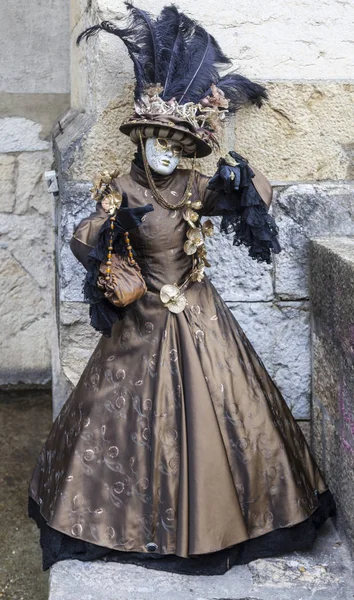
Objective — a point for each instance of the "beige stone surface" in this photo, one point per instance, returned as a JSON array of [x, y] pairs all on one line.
[[253, 36], [305, 132], [7, 179], [25, 324], [31, 189], [27, 288], [18, 134], [35, 46]]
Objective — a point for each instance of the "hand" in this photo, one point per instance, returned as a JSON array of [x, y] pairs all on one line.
[[233, 173], [129, 218]]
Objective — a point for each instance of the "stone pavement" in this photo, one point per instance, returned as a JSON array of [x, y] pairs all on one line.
[[325, 573]]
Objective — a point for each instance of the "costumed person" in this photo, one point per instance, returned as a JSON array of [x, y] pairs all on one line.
[[176, 450]]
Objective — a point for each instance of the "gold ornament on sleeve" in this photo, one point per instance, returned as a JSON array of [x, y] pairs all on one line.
[[103, 192]]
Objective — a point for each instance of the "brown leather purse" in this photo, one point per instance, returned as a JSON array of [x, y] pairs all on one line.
[[120, 276]]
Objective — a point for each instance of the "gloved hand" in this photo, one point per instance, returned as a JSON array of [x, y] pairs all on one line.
[[129, 218], [233, 174]]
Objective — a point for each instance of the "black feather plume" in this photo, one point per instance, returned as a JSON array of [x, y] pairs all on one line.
[[205, 56], [91, 31], [143, 31], [240, 90], [178, 53], [129, 36], [177, 57], [168, 30]]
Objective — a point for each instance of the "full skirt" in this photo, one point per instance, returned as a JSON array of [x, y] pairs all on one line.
[[176, 450]]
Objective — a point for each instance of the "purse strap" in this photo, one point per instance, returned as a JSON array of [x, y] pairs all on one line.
[[128, 245], [102, 188]]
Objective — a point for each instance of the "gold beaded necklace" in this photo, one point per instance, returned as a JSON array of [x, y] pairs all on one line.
[[155, 192]]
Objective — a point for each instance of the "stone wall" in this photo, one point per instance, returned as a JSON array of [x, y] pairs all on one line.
[[332, 294], [34, 92], [302, 140]]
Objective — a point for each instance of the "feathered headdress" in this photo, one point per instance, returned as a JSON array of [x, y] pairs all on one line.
[[179, 86]]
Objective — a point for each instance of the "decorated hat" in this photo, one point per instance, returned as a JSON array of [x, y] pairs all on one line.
[[180, 91]]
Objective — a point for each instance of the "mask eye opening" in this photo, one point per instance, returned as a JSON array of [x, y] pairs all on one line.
[[161, 144], [176, 149]]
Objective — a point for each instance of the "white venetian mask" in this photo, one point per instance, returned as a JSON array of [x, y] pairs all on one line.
[[162, 155]]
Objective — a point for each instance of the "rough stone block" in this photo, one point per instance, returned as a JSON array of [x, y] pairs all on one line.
[[302, 212], [78, 339], [334, 448], [76, 204], [30, 241], [280, 334], [332, 294], [20, 135], [27, 271], [26, 324], [290, 139], [303, 133], [305, 427], [330, 371], [251, 41], [26, 298], [7, 182], [235, 275], [332, 270], [31, 188], [317, 441]]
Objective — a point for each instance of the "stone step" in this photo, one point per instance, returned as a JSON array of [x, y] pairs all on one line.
[[325, 573]]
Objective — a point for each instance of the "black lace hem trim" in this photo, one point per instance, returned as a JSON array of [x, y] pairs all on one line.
[[57, 546]]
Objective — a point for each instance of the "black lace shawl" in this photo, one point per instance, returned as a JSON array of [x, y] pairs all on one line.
[[244, 213]]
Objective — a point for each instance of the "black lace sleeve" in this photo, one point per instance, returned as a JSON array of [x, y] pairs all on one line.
[[103, 314], [244, 213]]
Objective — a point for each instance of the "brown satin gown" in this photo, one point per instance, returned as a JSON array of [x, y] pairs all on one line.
[[176, 439]]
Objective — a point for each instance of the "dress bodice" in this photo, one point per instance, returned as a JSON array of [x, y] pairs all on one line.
[[158, 241]]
